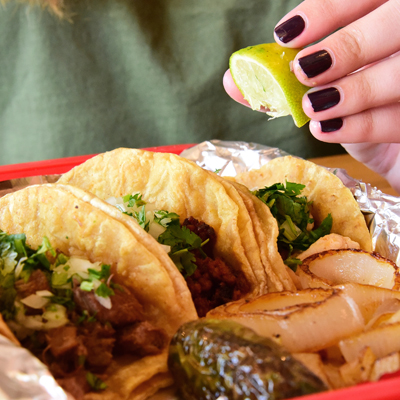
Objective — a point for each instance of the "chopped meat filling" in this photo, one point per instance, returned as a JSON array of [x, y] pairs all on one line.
[[213, 283], [91, 340], [37, 281], [77, 384], [142, 339], [125, 309]]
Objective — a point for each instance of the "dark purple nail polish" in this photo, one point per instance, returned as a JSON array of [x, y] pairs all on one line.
[[324, 99], [315, 63], [331, 125], [290, 29]]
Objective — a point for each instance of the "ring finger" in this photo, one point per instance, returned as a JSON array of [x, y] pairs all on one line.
[[376, 125]]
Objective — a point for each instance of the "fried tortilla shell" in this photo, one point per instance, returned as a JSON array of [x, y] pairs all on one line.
[[178, 185], [77, 228], [326, 191]]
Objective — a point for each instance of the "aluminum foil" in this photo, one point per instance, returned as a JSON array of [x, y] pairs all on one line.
[[23, 377]]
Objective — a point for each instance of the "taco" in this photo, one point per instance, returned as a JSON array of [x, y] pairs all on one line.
[[315, 196], [227, 263], [82, 291]]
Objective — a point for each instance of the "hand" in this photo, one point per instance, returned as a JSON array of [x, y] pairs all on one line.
[[354, 75]]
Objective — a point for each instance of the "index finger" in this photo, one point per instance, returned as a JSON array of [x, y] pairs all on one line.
[[314, 19]]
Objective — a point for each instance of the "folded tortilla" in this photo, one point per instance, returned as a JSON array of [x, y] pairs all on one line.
[[326, 191], [78, 224], [178, 185]]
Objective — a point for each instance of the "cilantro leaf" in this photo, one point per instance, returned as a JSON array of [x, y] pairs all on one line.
[[104, 291], [134, 200], [141, 218], [292, 212], [95, 382]]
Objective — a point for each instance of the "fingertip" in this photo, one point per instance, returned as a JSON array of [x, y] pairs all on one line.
[[289, 30], [232, 90], [307, 107]]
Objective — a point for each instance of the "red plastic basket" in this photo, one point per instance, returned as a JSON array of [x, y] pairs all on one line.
[[388, 388]]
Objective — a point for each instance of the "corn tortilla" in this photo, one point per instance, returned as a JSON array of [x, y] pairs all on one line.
[[178, 185], [326, 191], [76, 227]]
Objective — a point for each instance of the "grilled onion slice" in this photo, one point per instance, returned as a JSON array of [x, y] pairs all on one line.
[[334, 267], [304, 321], [382, 340]]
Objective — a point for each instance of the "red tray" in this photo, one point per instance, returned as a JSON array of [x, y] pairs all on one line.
[[388, 388], [62, 165]]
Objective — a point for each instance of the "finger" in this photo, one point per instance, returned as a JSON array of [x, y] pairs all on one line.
[[369, 88], [234, 92], [314, 19], [352, 47], [377, 125]]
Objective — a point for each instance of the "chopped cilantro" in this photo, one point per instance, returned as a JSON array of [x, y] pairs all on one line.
[[104, 291], [67, 302], [86, 286], [180, 239], [95, 382], [165, 218], [292, 212], [134, 200], [104, 273], [14, 250]]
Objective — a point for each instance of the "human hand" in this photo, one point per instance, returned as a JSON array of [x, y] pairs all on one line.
[[354, 75]]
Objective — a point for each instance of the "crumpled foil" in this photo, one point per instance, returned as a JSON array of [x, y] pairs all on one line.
[[23, 377]]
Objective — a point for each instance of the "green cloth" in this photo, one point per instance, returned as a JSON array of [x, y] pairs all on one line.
[[132, 73]]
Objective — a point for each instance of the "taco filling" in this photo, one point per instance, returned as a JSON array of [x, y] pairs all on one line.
[[190, 245], [71, 314], [293, 214]]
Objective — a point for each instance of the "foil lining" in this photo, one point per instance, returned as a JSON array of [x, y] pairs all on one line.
[[23, 377]]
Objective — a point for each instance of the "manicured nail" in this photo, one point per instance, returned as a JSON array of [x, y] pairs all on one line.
[[315, 63], [324, 99], [290, 29], [331, 125]]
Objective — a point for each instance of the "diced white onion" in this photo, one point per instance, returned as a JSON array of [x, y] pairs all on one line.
[[44, 293], [156, 230], [35, 301], [78, 266], [19, 267], [55, 317], [104, 301]]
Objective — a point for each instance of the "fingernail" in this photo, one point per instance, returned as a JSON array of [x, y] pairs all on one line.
[[315, 63], [290, 29], [331, 125], [324, 99]]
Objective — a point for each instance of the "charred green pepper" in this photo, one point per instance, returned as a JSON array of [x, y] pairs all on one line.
[[221, 359]]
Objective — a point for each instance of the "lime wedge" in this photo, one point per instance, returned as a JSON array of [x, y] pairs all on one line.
[[263, 75]]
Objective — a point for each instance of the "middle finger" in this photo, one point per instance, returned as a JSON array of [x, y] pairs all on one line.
[[371, 87], [366, 40]]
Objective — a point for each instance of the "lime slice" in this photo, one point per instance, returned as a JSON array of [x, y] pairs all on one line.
[[263, 75]]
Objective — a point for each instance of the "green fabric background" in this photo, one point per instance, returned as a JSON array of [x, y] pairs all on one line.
[[132, 73]]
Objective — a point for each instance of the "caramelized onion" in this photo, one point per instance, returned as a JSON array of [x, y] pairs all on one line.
[[382, 340], [335, 267], [309, 320]]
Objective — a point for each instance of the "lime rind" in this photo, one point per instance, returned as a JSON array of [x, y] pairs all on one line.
[[263, 75]]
